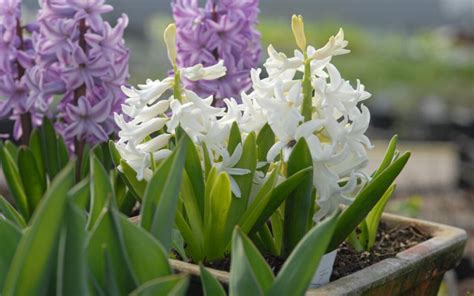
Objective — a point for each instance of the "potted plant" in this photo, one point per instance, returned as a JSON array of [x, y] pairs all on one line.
[[275, 165], [274, 184]]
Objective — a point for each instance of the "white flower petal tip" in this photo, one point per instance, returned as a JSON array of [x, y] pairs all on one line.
[[199, 72]]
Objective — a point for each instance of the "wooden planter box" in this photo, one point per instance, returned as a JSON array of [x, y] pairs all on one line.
[[415, 271]]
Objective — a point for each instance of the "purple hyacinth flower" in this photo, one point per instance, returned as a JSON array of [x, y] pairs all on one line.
[[85, 119], [110, 42], [89, 58], [84, 70], [222, 30], [91, 11]]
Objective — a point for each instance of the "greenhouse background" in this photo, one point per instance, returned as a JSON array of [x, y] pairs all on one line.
[[417, 60]]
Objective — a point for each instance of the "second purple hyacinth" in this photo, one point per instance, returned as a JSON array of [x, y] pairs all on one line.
[[222, 30]]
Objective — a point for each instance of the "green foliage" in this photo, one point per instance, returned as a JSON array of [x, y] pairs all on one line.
[[250, 274], [31, 177], [11, 236], [369, 204], [59, 255], [298, 206], [14, 182], [31, 264], [218, 203], [162, 193], [207, 208], [210, 286], [101, 190]]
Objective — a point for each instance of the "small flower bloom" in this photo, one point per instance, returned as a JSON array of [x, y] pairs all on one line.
[[86, 119]]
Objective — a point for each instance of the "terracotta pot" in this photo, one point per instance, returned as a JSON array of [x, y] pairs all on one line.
[[415, 271]]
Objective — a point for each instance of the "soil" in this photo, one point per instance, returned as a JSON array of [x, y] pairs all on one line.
[[389, 242]]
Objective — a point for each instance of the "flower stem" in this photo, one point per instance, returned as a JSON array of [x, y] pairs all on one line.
[[177, 84], [25, 118], [79, 143], [26, 127], [307, 110]]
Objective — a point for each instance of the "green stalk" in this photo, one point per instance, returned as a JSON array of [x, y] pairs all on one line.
[[177, 83], [307, 90]]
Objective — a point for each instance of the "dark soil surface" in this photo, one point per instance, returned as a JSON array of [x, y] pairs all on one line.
[[390, 241]]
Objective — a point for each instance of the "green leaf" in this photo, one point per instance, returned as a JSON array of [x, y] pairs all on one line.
[[85, 163], [249, 272], [80, 194], [12, 149], [366, 200], [146, 258], [265, 140], [10, 213], [277, 230], [235, 138], [248, 161], [162, 193], [71, 275], [266, 237], [191, 206], [49, 148], [170, 285], [31, 265], [106, 159], [207, 161], [389, 155], [114, 154], [35, 146], [105, 241], [119, 187], [298, 270], [193, 248], [298, 205], [179, 245], [11, 236], [31, 177], [195, 173], [216, 218], [15, 185], [262, 193], [261, 210], [373, 218], [101, 190], [63, 154], [130, 177], [210, 286]]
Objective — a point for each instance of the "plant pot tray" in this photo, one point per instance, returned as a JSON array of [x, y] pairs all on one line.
[[415, 271]]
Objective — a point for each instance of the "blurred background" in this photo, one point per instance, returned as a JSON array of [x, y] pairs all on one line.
[[415, 57]]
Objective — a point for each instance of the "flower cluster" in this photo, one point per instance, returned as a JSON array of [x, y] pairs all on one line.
[[222, 30], [84, 59], [152, 114], [336, 125], [321, 107], [16, 59]]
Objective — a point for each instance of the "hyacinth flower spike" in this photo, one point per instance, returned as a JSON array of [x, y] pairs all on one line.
[[154, 118], [82, 60], [16, 60], [221, 30]]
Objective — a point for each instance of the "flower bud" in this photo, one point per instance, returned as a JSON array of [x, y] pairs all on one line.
[[297, 25], [170, 40]]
